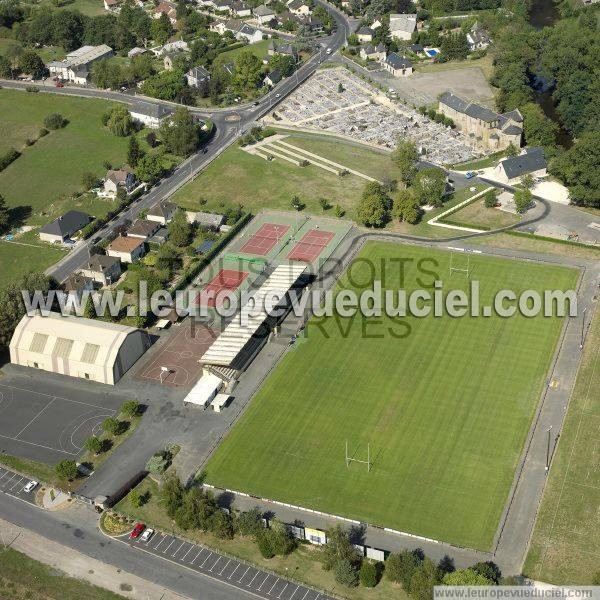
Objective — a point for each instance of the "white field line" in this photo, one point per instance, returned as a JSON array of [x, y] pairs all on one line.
[[300, 158], [434, 220], [324, 160], [282, 156]]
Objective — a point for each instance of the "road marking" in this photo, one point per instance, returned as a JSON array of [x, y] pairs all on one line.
[[178, 549], [242, 577], [263, 582], [257, 572], [221, 572], [294, 592], [209, 555], [236, 568], [5, 473], [164, 537], [218, 559], [276, 582], [305, 594], [17, 483], [197, 555], [9, 480], [34, 418], [167, 548], [183, 557]]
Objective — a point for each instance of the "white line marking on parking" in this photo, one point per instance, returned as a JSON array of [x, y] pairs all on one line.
[[209, 555], [178, 549], [183, 557], [283, 590], [9, 480], [164, 537], [276, 582], [5, 473], [236, 568], [21, 480], [257, 572], [167, 548], [263, 582], [305, 594], [294, 592], [218, 559], [242, 577], [197, 555], [221, 572]]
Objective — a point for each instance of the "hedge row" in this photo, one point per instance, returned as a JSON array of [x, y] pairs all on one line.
[[196, 267], [8, 157], [546, 238]]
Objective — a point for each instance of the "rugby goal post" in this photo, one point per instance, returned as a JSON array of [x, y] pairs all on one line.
[[460, 266], [367, 462]]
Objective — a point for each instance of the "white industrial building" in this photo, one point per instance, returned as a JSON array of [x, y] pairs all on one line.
[[77, 65], [85, 348]]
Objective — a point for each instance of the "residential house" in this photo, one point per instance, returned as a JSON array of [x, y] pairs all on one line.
[[417, 48], [207, 220], [162, 212], [173, 47], [365, 34], [485, 128], [377, 23], [77, 65], [165, 8], [398, 66], [275, 47], [102, 269], [76, 284], [402, 26], [122, 178], [169, 61], [112, 5], [299, 8], [137, 51], [160, 237], [273, 78], [478, 38], [249, 33], [64, 227], [370, 52], [196, 76], [530, 162], [222, 5], [263, 14], [143, 229], [126, 249], [150, 113], [240, 9]]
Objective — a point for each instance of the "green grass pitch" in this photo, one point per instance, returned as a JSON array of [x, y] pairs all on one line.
[[446, 410]]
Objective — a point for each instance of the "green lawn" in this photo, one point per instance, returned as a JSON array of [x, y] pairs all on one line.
[[259, 49], [446, 409], [238, 177], [44, 178], [22, 578], [478, 215], [565, 547]]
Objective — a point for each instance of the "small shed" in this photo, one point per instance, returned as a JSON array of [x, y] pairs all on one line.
[[219, 402], [204, 247], [205, 390]]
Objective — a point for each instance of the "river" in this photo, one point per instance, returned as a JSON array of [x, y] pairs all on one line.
[[544, 14]]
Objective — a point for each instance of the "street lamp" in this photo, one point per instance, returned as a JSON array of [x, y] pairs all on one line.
[[582, 328], [548, 449]]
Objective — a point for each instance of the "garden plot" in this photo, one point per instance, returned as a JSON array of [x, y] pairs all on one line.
[[338, 102]]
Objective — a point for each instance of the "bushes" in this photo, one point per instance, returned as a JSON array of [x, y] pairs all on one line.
[[159, 462], [66, 469], [55, 121], [368, 574], [8, 157], [256, 134]]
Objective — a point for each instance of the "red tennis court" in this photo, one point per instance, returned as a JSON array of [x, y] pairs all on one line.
[[263, 241], [311, 245], [226, 279]]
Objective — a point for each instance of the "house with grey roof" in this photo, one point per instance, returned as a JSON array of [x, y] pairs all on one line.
[[204, 219], [162, 212], [273, 78], [398, 66], [77, 65], [365, 34], [402, 26], [143, 229], [370, 52], [196, 76], [101, 268], [485, 128], [299, 7], [478, 38], [150, 114], [64, 227], [263, 14], [530, 162], [276, 47]]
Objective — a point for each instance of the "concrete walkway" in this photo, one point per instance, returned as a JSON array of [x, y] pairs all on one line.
[[80, 566], [434, 220]]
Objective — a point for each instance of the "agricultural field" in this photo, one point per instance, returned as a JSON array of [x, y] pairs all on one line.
[[565, 547], [237, 177], [443, 404]]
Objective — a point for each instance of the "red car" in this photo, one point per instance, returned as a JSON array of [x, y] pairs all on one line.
[[137, 531]]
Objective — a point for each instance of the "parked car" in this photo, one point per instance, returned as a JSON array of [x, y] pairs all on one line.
[[470, 174], [328, 50], [136, 531], [30, 486], [147, 535]]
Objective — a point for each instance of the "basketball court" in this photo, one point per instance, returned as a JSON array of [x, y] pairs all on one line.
[[309, 248], [225, 280], [265, 239], [176, 363]]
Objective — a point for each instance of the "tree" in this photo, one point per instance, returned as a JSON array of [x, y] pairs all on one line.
[[527, 181], [455, 46], [172, 495], [539, 130], [406, 207], [346, 572], [168, 258], [135, 499], [523, 199], [263, 541], [179, 229], [282, 540], [489, 199], [88, 181], [120, 122], [150, 168], [488, 569], [425, 577], [297, 203], [338, 547], [55, 121], [166, 85], [93, 445], [5, 67], [249, 522], [130, 408], [181, 134], [248, 72], [4, 215], [134, 152], [31, 63], [401, 566], [405, 158], [324, 204], [66, 469], [511, 150], [368, 573], [466, 577], [111, 425], [429, 186], [222, 525], [161, 29], [284, 63], [373, 206]]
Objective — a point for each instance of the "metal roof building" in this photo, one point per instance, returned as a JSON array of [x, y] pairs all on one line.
[[78, 347], [243, 337]]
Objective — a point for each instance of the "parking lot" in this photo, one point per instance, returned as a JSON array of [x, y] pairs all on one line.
[[227, 570], [12, 483], [360, 112], [51, 425]]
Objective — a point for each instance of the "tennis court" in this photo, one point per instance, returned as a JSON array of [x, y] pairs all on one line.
[[225, 280], [311, 245], [265, 239]]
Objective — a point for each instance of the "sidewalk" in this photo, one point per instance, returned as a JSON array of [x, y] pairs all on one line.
[[80, 566]]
